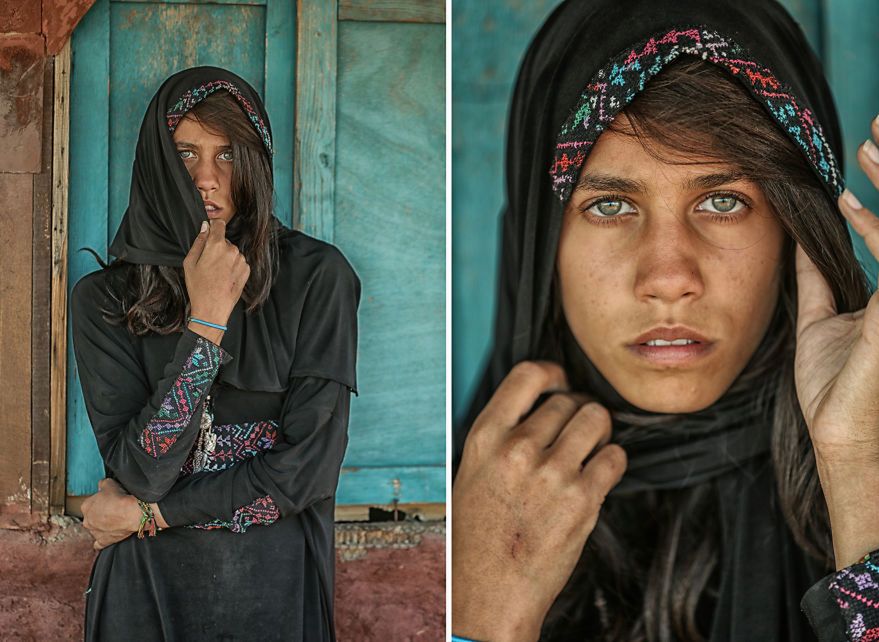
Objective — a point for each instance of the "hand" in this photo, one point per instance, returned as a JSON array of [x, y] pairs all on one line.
[[216, 273], [111, 514], [837, 378], [523, 503]]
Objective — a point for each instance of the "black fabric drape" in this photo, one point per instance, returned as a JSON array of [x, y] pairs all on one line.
[[164, 215], [555, 116]]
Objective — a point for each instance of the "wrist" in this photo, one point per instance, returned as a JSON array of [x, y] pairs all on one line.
[[157, 514], [850, 485], [214, 335], [476, 618]]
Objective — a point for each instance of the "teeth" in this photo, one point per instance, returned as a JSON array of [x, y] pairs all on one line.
[[210, 208], [676, 342]]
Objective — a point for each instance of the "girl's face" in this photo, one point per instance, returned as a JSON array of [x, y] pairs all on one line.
[[208, 158], [650, 250]]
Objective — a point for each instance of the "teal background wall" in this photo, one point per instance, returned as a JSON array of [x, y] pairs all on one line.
[[357, 106], [489, 38]]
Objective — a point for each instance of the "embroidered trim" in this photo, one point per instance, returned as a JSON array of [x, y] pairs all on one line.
[[262, 511], [182, 400], [617, 83], [236, 443], [856, 590], [194, 96]]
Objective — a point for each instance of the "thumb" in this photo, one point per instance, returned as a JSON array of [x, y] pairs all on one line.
[[198, 245], [814, 297]]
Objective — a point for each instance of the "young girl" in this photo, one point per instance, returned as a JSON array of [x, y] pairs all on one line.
[[217, 357], [686, 353]]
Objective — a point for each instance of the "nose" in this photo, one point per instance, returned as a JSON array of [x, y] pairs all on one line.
[[668, 262], [205, 175]]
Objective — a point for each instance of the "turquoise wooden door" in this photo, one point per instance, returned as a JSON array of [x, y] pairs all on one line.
[[344, 174], [489, 39]]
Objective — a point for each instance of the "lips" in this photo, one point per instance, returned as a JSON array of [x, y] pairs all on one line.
[[680, 354], [671, 334], [212, 209]]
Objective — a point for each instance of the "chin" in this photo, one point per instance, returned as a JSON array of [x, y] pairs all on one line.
[[671, 397]]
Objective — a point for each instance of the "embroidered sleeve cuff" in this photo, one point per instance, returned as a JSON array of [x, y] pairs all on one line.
[[262, 511], [185, 396], [856, 590]]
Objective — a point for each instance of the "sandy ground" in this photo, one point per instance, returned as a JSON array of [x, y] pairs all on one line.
[[387, 594]]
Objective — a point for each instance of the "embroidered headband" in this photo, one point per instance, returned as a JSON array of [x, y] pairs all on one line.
[[194, 96], [616, 84]]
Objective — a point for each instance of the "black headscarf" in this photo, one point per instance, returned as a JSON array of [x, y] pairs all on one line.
[[588, 61], [165, 211]]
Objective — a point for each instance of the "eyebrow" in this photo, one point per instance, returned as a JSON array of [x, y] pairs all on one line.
[[183, 143], [598, 181]]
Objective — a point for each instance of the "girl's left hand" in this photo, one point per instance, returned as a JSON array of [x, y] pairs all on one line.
[[111, 514], [837, 379]]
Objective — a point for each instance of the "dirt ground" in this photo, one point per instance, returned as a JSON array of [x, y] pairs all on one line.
[[393, 593]]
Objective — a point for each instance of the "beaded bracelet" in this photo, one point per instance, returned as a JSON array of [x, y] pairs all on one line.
[[147, 520], [208, 323]]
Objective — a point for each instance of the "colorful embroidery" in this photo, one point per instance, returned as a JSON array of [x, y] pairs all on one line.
[[182, 400], [616, 85], [236, 443], [194, 96], [856, 589], [262, 511]]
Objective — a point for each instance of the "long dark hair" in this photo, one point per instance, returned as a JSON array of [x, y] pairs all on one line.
[[661, 588], [153, 298]]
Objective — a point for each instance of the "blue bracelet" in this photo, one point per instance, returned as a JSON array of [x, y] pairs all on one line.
[[458, 638], [208, 323]]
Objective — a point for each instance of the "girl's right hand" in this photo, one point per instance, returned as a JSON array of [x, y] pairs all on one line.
[[216, 273], [524, 503]]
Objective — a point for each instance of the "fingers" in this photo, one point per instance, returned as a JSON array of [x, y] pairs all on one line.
[[197, 248], [588, 428], [544, 424], [862, 220], [814, 297], [517, 393], [217, 232], [601, 473], [868, 155]]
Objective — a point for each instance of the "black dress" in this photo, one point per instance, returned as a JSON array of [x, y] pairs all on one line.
[[250, 553]]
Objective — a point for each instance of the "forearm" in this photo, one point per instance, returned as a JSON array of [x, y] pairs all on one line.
[[296, 472]]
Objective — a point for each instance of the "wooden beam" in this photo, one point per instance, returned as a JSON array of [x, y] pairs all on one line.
[[41, 311], [424, 11], [60, 171], [315, 147]]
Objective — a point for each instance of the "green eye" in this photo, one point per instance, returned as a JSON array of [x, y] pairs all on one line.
[[226, 156], [724, 203], [181, 152]]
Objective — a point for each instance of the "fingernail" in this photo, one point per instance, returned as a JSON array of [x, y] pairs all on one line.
[[204, 226], [851, 200], [872, 151]]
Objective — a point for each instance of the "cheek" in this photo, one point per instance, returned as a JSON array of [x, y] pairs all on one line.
[[591, 282]]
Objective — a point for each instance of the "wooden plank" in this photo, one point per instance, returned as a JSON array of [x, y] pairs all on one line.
[[87, 211], [423, 512], [58, 369], [258, 3], [16, 267], [315, 151], [280, 100], [391, 222], [429, 11], [380, 486], [41, 329]]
